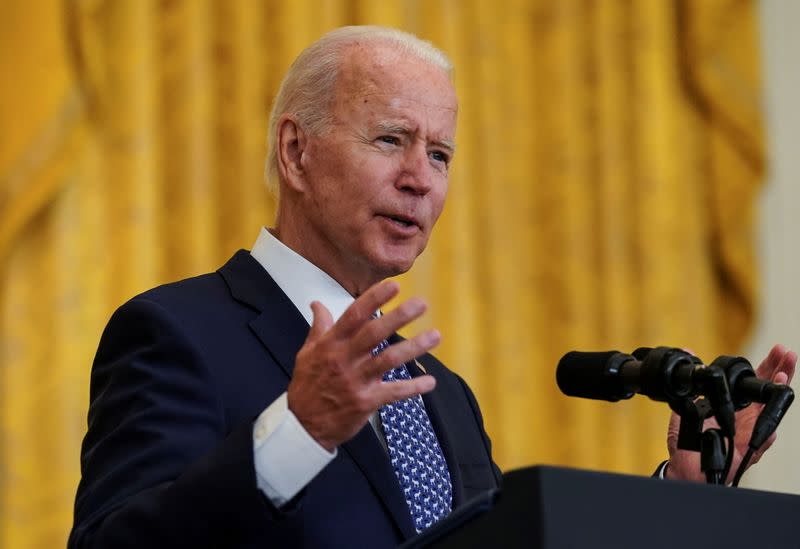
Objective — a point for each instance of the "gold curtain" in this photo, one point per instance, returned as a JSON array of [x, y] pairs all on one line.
[[602, 197]]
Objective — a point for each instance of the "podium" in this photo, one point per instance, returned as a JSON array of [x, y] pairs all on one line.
[[552, 507]]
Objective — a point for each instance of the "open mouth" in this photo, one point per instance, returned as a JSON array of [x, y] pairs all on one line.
[[401, 221]]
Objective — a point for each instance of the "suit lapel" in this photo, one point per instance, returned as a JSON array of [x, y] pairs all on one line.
[[282, 330], [281, 338], [280, 326]]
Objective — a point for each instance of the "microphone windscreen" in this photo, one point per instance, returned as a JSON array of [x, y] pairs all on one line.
[[592, 375]]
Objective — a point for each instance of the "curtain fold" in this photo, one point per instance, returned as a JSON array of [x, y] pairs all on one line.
[[609, 156]]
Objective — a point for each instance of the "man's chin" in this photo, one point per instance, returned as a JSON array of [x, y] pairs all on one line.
[[395, 268], [394, 264]]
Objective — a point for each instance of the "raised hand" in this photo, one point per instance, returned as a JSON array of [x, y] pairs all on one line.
[[778, 367], [337, 382]]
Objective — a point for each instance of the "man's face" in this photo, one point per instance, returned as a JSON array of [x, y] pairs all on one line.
[[376, 183]]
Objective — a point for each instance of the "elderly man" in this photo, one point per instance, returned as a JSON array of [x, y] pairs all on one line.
[[218, 418]]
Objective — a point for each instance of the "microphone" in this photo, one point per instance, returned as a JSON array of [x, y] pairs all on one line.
[[664, 374], [747, 388], [598, 375], [672, 375], [781, 398]]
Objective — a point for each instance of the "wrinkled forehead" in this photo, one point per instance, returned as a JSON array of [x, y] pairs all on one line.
[[377, 69]]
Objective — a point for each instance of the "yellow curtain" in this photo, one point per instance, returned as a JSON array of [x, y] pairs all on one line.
[[602, 197]]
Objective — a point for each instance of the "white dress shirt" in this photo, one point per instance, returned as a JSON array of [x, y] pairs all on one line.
[[287, 458]]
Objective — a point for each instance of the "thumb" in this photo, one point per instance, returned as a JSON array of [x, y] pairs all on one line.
[[672, 432], [322, 320]]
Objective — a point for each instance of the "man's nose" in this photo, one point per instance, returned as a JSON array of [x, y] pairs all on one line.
[[416, 175]]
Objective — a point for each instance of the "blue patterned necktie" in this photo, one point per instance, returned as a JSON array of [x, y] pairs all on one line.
[[415, 454]]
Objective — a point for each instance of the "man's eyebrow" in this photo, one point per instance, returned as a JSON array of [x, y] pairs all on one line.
[[394, 127], [446, 144]]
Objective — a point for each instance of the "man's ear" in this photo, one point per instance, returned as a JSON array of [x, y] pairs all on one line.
[[290, 148]]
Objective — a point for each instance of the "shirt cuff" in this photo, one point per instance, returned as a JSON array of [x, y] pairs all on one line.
[[661, 470], [286, 457]]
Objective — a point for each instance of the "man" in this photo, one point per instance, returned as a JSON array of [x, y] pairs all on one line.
[[219, 418]]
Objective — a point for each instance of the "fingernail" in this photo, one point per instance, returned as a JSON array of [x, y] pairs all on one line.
[[415, 306], [432, 337], [392, 286]]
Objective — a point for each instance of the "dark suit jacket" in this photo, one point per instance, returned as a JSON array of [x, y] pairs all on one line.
[[181, 373]]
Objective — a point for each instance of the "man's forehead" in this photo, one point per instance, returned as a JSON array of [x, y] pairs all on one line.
[[396, 102], [379, 69], [389, 113], [373, 56]]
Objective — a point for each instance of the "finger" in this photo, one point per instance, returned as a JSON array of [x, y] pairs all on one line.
[[672, 432], [321, 322], [363, 308], [381, 328], [768, 366], [786, 369], [401, 352], [400, 390]]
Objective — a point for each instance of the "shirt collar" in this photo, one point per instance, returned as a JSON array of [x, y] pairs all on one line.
[[301, 280]]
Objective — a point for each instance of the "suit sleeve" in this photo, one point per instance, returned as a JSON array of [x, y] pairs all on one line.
[[158, 467]]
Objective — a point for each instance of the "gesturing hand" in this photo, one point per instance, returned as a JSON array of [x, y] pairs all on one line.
[[337, 382], [778, 367]]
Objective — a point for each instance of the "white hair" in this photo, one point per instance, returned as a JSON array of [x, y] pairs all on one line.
[[308, 87]]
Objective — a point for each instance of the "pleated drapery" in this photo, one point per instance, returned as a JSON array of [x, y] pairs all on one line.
[[602, 197]]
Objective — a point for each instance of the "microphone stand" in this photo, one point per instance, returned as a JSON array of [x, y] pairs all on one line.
[[693, 413], [695, 393], [712, 456]]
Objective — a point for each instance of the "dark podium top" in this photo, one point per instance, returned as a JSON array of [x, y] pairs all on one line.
[[552, 507]]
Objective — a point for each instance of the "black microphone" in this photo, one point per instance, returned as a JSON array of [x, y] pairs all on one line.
[[747, 388], [664, 374], [609, 375], [781, 398]]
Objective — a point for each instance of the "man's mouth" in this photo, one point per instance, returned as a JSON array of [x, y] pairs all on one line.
[[401, 220]]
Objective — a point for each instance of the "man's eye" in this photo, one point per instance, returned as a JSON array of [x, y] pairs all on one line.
[[389, 139], [439, 156]]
